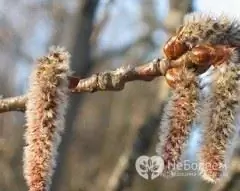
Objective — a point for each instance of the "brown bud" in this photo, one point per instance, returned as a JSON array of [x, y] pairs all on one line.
[[200, 55], [174, 48], [221, 54], [206, 54]]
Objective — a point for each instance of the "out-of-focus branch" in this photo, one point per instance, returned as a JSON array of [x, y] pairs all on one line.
[[124, 174], [177, 10], [98, 27], [125, 171], [81, 64], [108, 54]]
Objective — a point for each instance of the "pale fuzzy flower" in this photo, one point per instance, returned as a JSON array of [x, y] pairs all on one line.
[[209, 28], [219, 131], [177, 122], [45, 110]]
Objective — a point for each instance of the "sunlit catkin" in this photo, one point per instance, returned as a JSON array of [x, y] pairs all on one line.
[[206, 28], [219, 130], [176, 124], [45, 110]]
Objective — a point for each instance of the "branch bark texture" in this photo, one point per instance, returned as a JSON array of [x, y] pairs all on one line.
[[105, 81]]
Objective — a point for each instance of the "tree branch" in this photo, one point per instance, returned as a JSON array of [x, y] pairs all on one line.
[[13, 104], [105, 81], [115, 80]]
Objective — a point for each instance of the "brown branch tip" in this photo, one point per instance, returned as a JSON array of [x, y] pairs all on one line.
[[104, 81]]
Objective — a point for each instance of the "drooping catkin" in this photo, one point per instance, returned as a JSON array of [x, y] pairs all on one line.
[[219, 131], [45, 110], [176, 124]]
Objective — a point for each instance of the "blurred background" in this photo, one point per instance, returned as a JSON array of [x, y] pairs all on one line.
[[105, 131]]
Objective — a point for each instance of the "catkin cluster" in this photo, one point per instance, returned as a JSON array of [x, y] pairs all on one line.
[[45, 110], [218, 115]]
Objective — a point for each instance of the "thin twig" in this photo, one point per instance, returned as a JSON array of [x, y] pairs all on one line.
[[13, 104], [105, 81], [115, 80]]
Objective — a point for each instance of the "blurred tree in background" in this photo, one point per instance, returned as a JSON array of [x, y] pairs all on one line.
[[105, 131]]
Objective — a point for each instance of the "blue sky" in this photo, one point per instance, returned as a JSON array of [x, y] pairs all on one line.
[[229, 7]]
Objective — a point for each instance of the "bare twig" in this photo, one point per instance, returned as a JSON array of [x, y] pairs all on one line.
[[115, 80], [105, 81], [13, 104]]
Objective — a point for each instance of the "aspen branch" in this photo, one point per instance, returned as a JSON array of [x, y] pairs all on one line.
[[105, 81], [116, 80], [13, 104]]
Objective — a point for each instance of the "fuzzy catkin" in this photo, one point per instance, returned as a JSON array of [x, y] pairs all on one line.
[[219, 131], [45, 110], [176, 124], [201, 28]]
